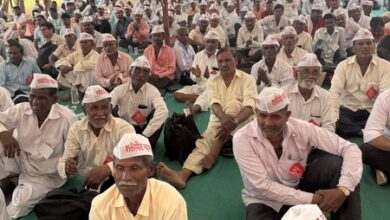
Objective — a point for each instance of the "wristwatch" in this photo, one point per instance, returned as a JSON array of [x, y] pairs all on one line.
[[345, 190]]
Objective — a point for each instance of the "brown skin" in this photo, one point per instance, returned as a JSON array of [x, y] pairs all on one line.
[[131, 177], [307, 76], [111, 49], [340, 21], [15, 55], [86, 47], [363, 49], [329, 25], [298, 26], [139, 76], [289, 42], [316, 15], [40, 102], [355, 14], [270, 52], [98, 114]]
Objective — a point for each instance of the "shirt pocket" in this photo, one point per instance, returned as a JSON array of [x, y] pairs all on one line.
[[284, 170]]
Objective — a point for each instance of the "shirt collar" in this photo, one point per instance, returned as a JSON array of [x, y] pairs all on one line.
[[23, 60], [119, 57], [53, 114], [144, 207], [374, 60], [84, 125], [295, 89]]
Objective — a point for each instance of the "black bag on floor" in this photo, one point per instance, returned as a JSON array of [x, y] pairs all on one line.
[[180, 134], [62, 204]]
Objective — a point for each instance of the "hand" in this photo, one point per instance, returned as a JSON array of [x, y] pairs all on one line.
[[333, 199], [206, 73], [222, 134], [47, 66], [196, 71], [262, 77], [96, 176], [248, 43], [227, 122], [65, 69], [71, 165], [10, 145], [136, 28], [317, 199], [115, 81], [208, 160]]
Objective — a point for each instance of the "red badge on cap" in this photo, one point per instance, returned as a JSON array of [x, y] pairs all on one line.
[[29, 80], [296, 170], [138, 117], [371, 93], [108, 160]]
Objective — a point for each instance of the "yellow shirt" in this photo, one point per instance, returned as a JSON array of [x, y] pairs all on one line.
[[305, 41], [92, 150], [349, 86], [80, 62], [296, 56], [160, 202]]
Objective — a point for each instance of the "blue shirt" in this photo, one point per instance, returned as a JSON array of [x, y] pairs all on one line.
[[14, 77]]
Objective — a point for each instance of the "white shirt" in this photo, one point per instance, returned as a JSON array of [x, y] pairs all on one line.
[[296, 56], [330, 43], [317, 109], [29, 48], [256, 35], [5, 99], [184, 56], [182, 16], [349, 86], [203, 60], [41, 148], [130, 103], [379, 121], [3, 208], [364, 21], [351, 28], [266, 177], [230, 20], [305, 41], [280, 75], [270, 26]]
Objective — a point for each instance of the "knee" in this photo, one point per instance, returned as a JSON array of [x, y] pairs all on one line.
[[333, 163], [179, 96]]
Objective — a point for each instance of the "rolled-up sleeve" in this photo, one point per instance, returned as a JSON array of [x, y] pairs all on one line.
[[72, 148], [160, 113], [214, 97], [249, 92], [376, 123]]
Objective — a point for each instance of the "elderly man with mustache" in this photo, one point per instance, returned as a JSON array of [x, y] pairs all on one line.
[[356, 83]]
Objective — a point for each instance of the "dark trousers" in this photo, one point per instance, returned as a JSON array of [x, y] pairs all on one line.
[[160, 83], [351, 123], [321, 172], [376, 158], [125, 44], [154, 138]]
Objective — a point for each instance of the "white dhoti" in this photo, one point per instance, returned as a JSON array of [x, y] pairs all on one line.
[[203, 101], [74, 78], [3, 210]]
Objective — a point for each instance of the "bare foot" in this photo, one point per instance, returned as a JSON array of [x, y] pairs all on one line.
[[173, 177], [208, 160]]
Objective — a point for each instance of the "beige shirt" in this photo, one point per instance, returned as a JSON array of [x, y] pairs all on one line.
[[317, 109], [305, 41], [197, 36], [64, 50], [80, 62], [5, 99], [41, 147], [242, 89], [160, 202], [203, 60], [349, 86], [56, 39], [270, 26], [296, 56], [130, 103], [92, 150], [256, 35]]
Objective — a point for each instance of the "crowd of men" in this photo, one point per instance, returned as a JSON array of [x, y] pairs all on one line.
[[257, 66]]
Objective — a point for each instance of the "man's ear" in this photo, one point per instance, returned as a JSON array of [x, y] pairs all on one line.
[[55, 99], [151, 170]]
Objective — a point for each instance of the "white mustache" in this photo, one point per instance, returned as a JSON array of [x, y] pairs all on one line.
[[127, 183]]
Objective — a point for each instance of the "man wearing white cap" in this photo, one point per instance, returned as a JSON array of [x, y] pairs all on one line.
[[198, 33], [249, 38], [281, 168], [172, 26], [185, 54], [179, 14], [120, 27], [291, 8], [112, 66], [357, 81], [231, 98], [138, 31], [140, 103], [350, 27], [90, 143], [162, 61], [202, 68], [290, 52], [88, 25], [16, 73], [202, 11], [314, 21], [55, 19], [151, 18], [135, 195], [68, 24], [78, 68], [305, 41], [355, 12], [329, 42], [275, 23], [271, 71], [367, 6], [216, 27], [71, 45], [33, 155], [308, 101], [231, 20]]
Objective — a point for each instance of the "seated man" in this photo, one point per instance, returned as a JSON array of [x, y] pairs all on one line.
[[184, 54], [162, 61], [308, 101], [271, 71], [329, 42], [204, 65], [137, 32], [33, 155], [275, 23], [376, 138], [16, 73], [3, 208], [140, 103], [249, 38], [198, 33], [383, 48], [350, 27], [231, 97], [378, 30], [88, 26], [121, 26], [305, 41], [112, 66], [134, 194], [71, 45], [290, 53], [356, 83], [230, 22], [90, 143], [216, 26], [67, 24], [280, 168], [356, 13], [78, 68]]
